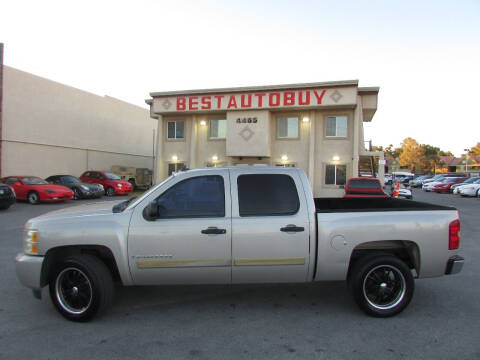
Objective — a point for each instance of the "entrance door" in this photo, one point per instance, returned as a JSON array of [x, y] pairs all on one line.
[[190, 241], [267, 205]]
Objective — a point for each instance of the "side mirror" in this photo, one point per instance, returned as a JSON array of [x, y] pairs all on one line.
[[150, 213], [50, 182]]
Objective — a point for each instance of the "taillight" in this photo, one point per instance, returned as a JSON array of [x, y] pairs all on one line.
[[453, 235]]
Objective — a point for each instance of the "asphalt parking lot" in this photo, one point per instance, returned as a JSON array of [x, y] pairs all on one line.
[[312, 321]]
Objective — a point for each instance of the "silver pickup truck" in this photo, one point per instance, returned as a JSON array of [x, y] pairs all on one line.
[[234, 226]]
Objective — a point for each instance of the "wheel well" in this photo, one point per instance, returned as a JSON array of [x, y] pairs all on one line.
[[407, 251], [55, 255]]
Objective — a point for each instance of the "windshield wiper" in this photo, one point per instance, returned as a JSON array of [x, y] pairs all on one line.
[[123, 205]]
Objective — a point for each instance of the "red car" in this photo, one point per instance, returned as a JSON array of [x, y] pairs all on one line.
[[364, 187], [35, 190], [111, 182], [447, 183]]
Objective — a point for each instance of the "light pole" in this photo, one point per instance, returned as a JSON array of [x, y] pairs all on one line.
[[466, 159]]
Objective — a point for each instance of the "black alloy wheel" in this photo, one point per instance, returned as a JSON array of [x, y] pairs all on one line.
[[81, 287], [382, 285]]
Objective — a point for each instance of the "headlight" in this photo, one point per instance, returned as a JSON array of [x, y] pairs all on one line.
[[84, 187], [30, 242], [50, 191], [119, 185]]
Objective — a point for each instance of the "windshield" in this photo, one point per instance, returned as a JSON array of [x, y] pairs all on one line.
[[450, 180], [32, 180], [112, 176], [437, 177], [70, 179], [477, 181], [150, 191]]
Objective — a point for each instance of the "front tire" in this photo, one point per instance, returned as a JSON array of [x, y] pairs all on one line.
[[33, 198], [110, 191], [81, 287], [382, 285], [76, 194]]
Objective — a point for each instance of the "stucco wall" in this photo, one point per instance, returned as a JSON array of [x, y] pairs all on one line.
[[50, 127]]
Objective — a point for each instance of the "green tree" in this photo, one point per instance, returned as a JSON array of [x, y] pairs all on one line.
[[430, 158]]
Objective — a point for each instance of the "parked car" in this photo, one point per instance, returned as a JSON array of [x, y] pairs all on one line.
[[470, 190], [429, 184], [445, 185], [7, 196], [81, 190], [455, 189], [112, 183], [417, 182], [364, 187], [238, 225], [35, 190], [432, 179]]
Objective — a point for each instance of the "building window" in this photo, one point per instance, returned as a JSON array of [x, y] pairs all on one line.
[[336, 126], [218, 129], [175, 167], [335, 174], [287, 127], [176, 130], [267, 195]]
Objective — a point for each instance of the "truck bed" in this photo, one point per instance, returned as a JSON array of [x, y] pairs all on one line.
[[331, 205]]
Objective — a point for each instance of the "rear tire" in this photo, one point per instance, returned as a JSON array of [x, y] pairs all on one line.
[[110, 191], [33, 197], [81, 287], [382, 285]]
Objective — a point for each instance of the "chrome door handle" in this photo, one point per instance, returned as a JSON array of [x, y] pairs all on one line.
[[292, 228]]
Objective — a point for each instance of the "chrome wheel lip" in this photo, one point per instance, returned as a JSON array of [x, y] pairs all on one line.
[[60, 295], [400, 295]]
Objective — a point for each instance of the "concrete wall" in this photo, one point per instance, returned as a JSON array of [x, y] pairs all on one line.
[[52, 128]]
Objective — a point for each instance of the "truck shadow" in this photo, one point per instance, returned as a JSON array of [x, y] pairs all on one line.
[[313, 297]]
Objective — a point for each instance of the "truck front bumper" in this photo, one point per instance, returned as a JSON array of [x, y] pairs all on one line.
[[454, 265], [29, 270]]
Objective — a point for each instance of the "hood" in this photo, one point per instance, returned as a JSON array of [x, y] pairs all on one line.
[[91, 209], [90, 186]]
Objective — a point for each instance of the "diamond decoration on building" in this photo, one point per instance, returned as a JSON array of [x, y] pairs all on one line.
[[336, 96], [246, 133], [166, 104]]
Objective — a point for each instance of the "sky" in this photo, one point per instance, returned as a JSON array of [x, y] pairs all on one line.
[[424, 55]]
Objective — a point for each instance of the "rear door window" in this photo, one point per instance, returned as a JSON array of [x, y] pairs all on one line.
[[267, 195]]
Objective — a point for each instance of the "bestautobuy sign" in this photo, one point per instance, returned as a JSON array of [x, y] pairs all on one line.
[[255, 100]]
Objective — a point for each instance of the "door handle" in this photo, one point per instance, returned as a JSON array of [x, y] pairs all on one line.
[[292, 228], [214, 230]]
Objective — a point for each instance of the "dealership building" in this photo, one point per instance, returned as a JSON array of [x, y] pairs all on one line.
[[317, 127], [48, 128]]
